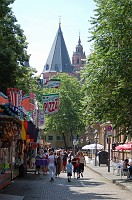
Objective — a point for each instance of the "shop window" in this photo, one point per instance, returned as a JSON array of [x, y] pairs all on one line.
[[50, 137]]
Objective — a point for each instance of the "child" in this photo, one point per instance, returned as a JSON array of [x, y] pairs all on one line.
[[69, 170]]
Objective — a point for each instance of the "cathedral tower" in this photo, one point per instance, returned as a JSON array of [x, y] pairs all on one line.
[[78, 58]]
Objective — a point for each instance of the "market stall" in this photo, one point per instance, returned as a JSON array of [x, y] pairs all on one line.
[[10, 147]]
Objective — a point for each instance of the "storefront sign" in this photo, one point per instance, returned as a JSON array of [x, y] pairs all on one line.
[[51, 103]]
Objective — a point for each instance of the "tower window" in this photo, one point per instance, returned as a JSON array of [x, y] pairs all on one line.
[[56, 68], [47, 67], [78, 61]]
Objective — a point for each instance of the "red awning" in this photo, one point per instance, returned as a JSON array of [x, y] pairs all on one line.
[[126, 146]]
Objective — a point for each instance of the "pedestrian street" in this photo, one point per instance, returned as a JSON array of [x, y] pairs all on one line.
[[92, 186]]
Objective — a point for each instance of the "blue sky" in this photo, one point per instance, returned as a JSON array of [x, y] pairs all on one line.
[[40, 21]]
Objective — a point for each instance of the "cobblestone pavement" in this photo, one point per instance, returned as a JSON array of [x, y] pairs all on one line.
[[113, 175], [92, 186]]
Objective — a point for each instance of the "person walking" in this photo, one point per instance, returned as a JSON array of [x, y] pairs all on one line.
[[64, 161], [51, 165], [82, 163], [69, 170], [58, 164]]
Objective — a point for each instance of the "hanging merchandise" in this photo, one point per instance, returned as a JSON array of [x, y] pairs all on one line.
[[40, 117]]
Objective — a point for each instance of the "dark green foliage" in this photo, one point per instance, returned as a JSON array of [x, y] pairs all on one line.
[[12, 47], [108, 74]]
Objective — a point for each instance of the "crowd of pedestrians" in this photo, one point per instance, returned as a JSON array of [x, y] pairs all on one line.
[[54, 162]]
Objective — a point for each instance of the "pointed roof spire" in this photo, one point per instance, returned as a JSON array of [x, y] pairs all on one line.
[[79, 41], [59, 21], [58, 59]]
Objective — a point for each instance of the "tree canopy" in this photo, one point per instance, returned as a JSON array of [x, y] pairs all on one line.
[[13, 47], [69, 119], [108, 73]]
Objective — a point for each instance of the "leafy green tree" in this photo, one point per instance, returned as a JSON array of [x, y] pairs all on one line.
[[13, 47], [69, 119], [108, 74], [26, 80]]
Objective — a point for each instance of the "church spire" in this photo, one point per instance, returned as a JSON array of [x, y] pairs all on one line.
[[60, 21], [58, 59], [78, 55], [79, 41]]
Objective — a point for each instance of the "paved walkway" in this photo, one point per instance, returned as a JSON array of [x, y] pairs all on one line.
[[112, 176], [10, 197], [102, 170]]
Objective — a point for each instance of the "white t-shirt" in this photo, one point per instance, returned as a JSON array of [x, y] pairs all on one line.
[[51, 159]]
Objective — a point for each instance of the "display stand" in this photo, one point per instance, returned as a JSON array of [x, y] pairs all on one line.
[[5, 179]]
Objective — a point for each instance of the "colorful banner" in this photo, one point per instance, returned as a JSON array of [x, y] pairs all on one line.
[[29, 101], [14, 96], [52, 83], [51, 103], [32, 101], [31, 131], [29, 104]]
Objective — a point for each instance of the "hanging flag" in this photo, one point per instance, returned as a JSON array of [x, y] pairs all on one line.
[[31, 131], [23, 134], [52, 83], [28, 102], [15, 98], [32, 101], [51, 103]]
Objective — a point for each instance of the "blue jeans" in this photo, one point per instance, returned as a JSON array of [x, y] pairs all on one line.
[[51, 171]]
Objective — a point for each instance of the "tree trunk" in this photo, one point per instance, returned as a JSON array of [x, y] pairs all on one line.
[[64, 138]]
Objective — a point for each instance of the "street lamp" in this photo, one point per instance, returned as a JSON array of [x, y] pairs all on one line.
[[96, 142], [87, 140], [75, 142]]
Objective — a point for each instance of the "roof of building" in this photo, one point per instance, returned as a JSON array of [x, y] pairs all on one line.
[[58, 59]]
